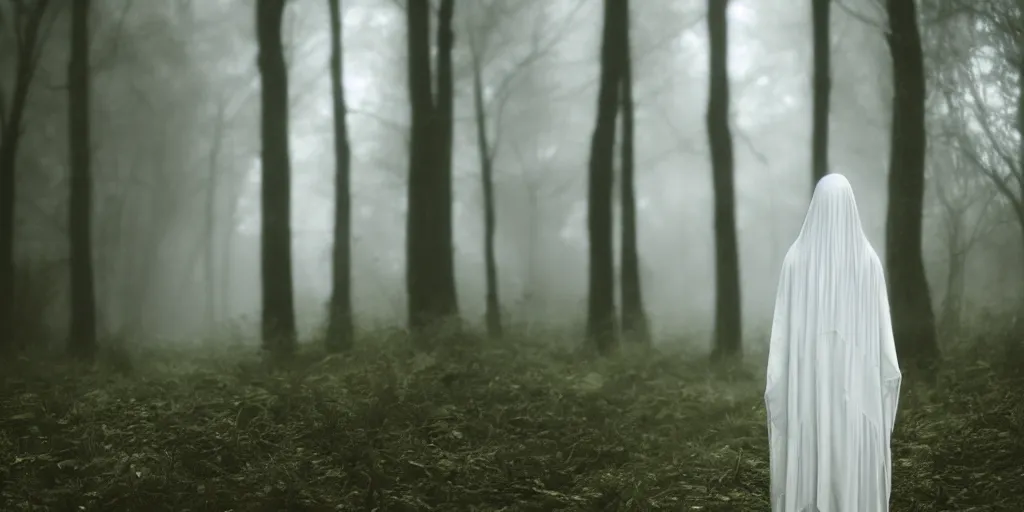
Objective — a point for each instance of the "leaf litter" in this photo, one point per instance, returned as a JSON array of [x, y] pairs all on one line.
[[484, 428]]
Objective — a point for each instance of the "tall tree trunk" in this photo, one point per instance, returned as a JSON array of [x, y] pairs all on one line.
[[8, 162], [421, 265], [493, 308], [210, 313], [913, 320], [82, 335], [634, 320], [278, 319], [728, 317], [445, 117], [1020, 134], [421, 273], [601, 321], [822, 85], [428, 249], [26, 21], [339, 325]]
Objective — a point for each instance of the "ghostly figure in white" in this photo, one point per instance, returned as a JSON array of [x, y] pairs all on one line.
[[833, 380]]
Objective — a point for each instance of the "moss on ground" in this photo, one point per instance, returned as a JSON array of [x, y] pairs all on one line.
[[469, 428]]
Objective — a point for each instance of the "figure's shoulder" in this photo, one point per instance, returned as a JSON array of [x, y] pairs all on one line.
[[872, 257], [873, 263], [792, 255], [790, 261]]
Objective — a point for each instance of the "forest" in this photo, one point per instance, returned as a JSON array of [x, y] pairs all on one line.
[[488, 254]]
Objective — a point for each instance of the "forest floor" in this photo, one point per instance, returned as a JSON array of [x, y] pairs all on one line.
[[467, 428]]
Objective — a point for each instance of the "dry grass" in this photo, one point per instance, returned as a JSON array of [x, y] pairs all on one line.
[[469, 428]]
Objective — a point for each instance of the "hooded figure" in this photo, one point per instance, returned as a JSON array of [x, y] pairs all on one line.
[[833, 380]]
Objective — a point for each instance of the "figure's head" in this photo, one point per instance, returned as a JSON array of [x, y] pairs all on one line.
[[833, 184], [833, 210]]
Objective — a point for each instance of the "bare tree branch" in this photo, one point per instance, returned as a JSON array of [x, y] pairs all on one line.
[[102, 62], [981, 116], [881, 24]]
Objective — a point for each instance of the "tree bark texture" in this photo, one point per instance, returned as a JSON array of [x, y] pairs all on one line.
[[429, 260], [728, 328], [635, 325], [601, 321], [492, 315], [82, 329], [278, 318], [339, 324], [913, 320], [27, 22]]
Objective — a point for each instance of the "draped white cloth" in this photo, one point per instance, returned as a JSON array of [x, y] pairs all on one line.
[[833, 380]]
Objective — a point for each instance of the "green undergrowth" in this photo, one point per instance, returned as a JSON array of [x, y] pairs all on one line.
[[471, 427]]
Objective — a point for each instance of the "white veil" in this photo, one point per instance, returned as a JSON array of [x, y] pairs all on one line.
[[832, 380]]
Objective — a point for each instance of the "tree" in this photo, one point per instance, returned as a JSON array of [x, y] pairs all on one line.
[[25, 21], [155, 184], [495, 83], [445, 118], [601, 321], [728, 317], [210, 311], [492, 314], [966, 212], [82, 341], [913, 320], [339, 326], [634, 320], [278, 318], [971, 51], [822, 87], [985, 79], [429, 261]]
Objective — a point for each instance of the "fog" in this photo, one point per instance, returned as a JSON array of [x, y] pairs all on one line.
[[176, 142]]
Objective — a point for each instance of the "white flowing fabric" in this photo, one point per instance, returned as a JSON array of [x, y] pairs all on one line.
[[833, 379]]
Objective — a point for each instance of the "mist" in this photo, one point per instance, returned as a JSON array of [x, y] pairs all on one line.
[[176, 158], [511, 255]]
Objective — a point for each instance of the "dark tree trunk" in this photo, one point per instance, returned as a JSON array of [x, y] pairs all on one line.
[[822, 85], [634, 320], [339, 326], [601, 321], [913, 320], [428, 248], [493, 308], [1020, 111], [26, 21], [1020, 133], [278, 325], [82, 341], [445, 118], [728, 328], [420, 277], [8, 163]]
